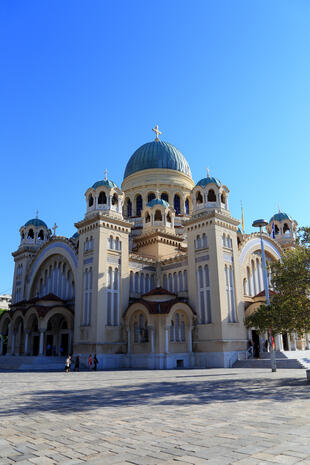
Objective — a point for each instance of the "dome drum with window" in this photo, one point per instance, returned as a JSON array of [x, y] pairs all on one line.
[[209, 193], [282, 227], [35, 232], [104, 196], [158, 214]]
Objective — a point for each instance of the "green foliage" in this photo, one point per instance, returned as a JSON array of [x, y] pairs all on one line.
[[289, 310]]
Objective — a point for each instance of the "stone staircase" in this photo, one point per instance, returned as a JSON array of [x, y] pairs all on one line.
[[286, 359], [28, 363]]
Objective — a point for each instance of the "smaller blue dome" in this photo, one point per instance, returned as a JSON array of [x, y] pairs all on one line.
[[35, 222], [209, 180], [279, 217], [75, 236], [104, 182], [154, 202]]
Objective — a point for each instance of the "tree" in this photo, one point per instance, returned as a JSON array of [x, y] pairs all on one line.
[[289, 310]]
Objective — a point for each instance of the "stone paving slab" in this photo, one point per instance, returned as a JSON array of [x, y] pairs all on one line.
[[179, 417]]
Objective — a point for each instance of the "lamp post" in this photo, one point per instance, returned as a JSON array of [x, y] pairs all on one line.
[[261, 224]]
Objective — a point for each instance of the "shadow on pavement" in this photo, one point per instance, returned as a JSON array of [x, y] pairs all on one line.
[[180, 393]]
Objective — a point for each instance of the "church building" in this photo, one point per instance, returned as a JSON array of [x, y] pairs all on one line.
[[158, 274]]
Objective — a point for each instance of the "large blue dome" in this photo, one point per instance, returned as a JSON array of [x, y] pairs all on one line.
[[35, 222], [157, 154], [279, 217]]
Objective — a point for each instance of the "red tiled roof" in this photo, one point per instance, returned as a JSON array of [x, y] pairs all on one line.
[[159, 308], [262, 293]]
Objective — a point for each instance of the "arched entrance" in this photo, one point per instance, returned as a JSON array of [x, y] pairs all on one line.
[[58, 339], [18, 336], [32, 347]]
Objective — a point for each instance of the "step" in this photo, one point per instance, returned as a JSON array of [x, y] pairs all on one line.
[[265, 363], [29, 363]]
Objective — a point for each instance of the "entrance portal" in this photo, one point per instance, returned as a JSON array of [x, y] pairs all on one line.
[[285, 341], [255, 339], [36, 345]]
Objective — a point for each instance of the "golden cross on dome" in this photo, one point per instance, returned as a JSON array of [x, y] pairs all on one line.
[[106, 175], [54, 228], [157, 131]]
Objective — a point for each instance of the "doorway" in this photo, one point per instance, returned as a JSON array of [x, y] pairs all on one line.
[[36, 345], [64, 342], [255, 339], [285, 341]]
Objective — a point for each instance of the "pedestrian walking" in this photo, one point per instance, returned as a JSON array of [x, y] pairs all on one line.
[[68, 364], [90, 362], [77, 363], [95, 362]]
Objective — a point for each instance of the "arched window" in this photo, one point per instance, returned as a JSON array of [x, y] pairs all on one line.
[[170, 282], [211, 196], [187, 206], [204, 294], [204, 240], [175, 283], [102, 199], [141, 283], [165, 282], [164, 196], [168, 218], [147, 217], [158, 216], [150, 196], [180, 281], [276, 228], [198, 243], [117, 244], [90, 200], [230, 292], [139, 205], [111, 242], [30, 234], [177, 328], [129, 207], [137, 282], [286, 229], [114, 199], [177, 204], [244, 287], [185, 280], [41, 235], [223, 197], [199, 198], [140, 329]]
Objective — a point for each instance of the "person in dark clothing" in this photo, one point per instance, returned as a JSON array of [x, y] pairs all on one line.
[[77, 363], [95, 362]]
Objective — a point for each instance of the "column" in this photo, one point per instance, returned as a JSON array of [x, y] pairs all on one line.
[[70, 351], [128, 341], [1, 343], [167, 339], [307, 341], [41, 349], [26, 342], [293, 342], [279, 342], [13, 343], [289, 342], [151, 331], [190, 346]]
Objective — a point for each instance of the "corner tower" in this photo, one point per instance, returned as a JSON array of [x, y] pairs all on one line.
[[103, 291]]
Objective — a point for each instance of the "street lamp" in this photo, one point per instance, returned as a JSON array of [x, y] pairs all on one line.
[[261, 224]]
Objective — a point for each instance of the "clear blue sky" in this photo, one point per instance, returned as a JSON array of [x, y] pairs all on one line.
[[82, 84]]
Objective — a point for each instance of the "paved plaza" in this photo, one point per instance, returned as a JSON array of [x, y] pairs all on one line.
[[178, 417]]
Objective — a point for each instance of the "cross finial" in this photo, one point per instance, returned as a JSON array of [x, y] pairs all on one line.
[[279, 211], [37, 214], [157, 194], [106, 175], [54, 228], [157, 131], [208, 173]]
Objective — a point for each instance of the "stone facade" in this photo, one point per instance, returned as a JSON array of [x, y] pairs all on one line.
[[158, 274]]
